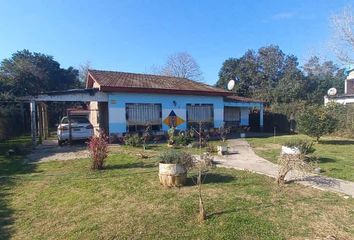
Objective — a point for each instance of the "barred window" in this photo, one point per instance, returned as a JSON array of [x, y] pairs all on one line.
[[200, 113], [143, 114], [232, 114]]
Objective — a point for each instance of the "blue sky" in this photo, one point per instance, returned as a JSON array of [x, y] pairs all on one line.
[[133, 36]]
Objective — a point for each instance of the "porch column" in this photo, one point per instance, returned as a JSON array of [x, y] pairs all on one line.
[[33, 123], [261, 123]]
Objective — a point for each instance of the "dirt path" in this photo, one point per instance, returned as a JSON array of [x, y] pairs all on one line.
[[243, 157], [50, 151]]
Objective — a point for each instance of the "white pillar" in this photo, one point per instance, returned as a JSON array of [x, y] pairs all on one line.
[[33, 123], [261, 123]]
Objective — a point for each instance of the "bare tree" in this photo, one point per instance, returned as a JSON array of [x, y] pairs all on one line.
[[83, 71], [182, 65], [343, 35]]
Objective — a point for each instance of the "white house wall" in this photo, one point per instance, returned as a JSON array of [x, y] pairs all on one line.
[[117, 103]]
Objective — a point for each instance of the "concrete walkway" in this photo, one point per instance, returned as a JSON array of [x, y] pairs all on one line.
[[242, 157]]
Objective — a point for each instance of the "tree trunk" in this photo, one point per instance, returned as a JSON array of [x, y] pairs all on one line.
[[202, 214]]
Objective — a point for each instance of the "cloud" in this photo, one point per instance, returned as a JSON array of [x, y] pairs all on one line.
[[283, 15]]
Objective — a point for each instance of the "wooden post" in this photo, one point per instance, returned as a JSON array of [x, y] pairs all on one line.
[[261, 123], [33, 123], [40, 122], [45, 120]]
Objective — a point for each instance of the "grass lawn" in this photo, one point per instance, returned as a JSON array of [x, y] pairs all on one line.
[[336, 155], [66, 200]]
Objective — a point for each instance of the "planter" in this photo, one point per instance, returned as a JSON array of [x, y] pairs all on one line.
[[222, 150], [242, 135], [290, 150], [172, 175]]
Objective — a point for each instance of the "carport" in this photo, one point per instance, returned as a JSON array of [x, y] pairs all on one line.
[[39, 108]]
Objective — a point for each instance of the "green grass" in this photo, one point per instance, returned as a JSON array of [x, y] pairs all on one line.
[[66, 200], [336, 155]]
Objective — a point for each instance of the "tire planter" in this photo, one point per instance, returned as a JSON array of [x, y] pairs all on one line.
[[172, 175]]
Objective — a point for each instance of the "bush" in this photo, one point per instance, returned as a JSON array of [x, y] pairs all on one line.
[[183, 138], [345, 117], [304, 146], [316, 121], [177, 157], [98, 148], [133, 140]]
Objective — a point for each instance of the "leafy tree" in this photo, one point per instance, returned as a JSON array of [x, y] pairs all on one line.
[[244, 69], [319, 77], [27, 73], [268, 74], [316, 121]]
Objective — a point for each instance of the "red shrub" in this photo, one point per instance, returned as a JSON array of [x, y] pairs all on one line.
[[98, 148]]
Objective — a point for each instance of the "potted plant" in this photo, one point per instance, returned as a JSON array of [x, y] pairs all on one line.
[[173, 167]]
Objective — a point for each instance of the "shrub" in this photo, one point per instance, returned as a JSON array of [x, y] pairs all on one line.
[[223, 131], [98, 148], [210, 148], [183, 138], [133, 140], [316, 121], [304, 146], [171, 135], [177, 157]]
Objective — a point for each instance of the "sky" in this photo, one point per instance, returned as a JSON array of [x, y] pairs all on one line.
[[134, 36]]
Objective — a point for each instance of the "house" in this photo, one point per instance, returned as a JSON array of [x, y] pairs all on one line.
[[137, 100], [121, 102], [348, 96]]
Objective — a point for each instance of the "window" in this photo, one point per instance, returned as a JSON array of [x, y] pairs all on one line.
[[140, 115], [197, 113], [232, 116]]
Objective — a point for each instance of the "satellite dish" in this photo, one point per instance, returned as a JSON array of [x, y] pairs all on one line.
[[332, 91], [231, 85]]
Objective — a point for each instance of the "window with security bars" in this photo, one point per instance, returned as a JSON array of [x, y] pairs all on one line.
[[141, 115], [232, 116], [200, 113]]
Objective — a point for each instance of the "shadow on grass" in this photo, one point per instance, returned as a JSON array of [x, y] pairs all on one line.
[[337, 142], [130, 165], [234, 210], [326, 160], [9, 167], [210, 178]]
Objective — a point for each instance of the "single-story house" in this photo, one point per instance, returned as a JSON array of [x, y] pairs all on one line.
[[121, 102], [348, 96], [137, 100]]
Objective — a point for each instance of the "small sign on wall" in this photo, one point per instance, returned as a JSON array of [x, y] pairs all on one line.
[[113, 101]]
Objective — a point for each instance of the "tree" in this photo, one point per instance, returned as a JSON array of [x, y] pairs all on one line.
[[343, 35], [316, 121], [268, 74], [83, 72], [244, 69], [319, 77], [27, 73], [182, 65]]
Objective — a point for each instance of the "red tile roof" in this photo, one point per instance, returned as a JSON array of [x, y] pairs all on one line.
[[134, 82], [235, 98]]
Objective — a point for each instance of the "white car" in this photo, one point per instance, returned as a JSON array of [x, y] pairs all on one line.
[[81, 129]]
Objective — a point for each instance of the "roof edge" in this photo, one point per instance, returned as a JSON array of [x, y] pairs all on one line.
[[162, 90]]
